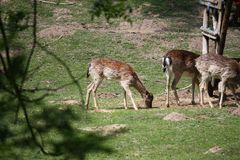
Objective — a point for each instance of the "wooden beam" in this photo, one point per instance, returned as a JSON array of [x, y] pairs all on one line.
[[212, 3], [205, 40], [224, 28], [209, 31]]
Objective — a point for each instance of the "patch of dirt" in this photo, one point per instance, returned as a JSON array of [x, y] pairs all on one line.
[[215, 149], [185, 97], [147, 26], [137, 39], [62, 14], [60, 30], [234, 111], [61, 11], [108, 95], [107, 130], [174, 116], [195, 44]]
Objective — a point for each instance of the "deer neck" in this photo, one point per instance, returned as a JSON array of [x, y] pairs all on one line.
[[140, 87]]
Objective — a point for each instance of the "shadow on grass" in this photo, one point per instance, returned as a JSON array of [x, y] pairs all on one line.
[[53, 127], [39, 128], [183, 14]]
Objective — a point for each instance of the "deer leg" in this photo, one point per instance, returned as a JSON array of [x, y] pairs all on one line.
[[168, 79], [194, 82], [201, 88], [221, 88], [208, 97], [89, 90], [94, 91], [193, 90], [231, 87], [174, 84], [125, 99], [130, 95], [125, 86]]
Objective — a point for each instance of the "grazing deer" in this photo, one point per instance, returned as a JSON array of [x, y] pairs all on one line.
[[100, 69], [214, 83], [219, 67], [175, 64]]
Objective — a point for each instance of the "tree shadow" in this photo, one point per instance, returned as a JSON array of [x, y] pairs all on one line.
[[184, 14], [40, 127], [66, 141]]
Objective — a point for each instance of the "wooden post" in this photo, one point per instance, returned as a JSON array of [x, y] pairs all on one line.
[[220, 15], [205, 39], [225, 24]]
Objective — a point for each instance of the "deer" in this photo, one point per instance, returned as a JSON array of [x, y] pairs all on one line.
[[178, 63], [216, 66], [214, 82], [109, 69]]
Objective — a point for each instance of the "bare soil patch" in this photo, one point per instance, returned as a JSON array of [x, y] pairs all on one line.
[[234, 111], [60, 30], [195, 44], [147, 26], [62, 14], [174, 116], [215, 149], [185, 97], [107, 130]]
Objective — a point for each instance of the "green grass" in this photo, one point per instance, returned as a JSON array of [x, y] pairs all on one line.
[[147, 136]]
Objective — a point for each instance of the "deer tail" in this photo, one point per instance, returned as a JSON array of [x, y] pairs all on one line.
[[166, 62]]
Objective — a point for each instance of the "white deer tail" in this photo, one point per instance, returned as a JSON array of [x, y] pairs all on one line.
[[166, 63]]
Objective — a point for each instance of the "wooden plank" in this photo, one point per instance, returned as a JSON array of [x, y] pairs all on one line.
[[212, 3], [208, 31], [205, 45], [205, 18], [214, 37], [224, 28], [205, 40]]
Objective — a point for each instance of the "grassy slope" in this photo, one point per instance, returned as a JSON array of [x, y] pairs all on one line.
[[147, 136]]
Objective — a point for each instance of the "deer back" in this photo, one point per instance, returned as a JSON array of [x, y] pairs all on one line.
[[111, 69], [180, 61], [217, 66]]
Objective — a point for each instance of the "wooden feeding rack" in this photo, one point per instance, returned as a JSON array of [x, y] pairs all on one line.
[[213, 9]]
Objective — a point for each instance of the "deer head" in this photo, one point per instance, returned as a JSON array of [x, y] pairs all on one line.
[[148, 98]]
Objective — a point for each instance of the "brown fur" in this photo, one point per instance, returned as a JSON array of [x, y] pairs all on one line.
[[100, 69], [220, 67], [181, 63]]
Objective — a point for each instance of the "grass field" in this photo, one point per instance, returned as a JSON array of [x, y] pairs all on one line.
[[69, 39]]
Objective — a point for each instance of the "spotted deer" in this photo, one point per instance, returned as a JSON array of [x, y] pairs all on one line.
[[219, 67], [214, 82], [178, 63], [100, 69]]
